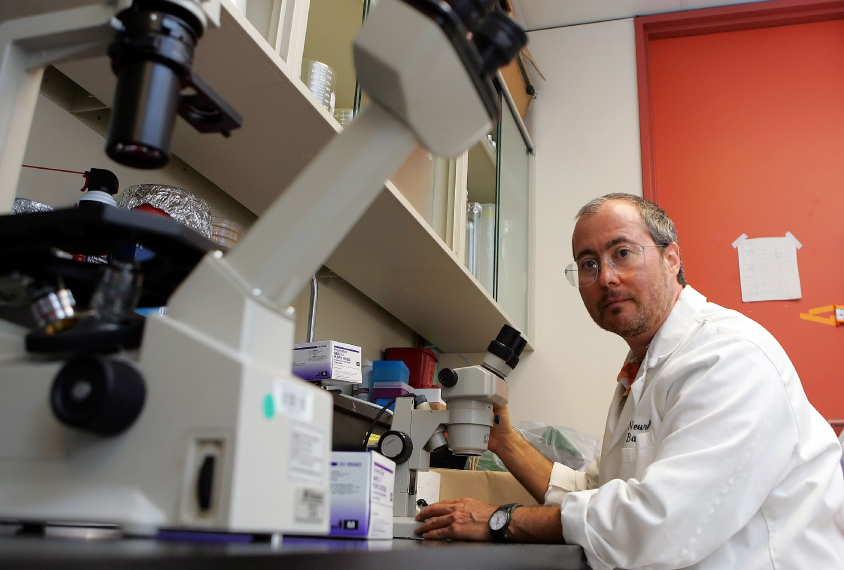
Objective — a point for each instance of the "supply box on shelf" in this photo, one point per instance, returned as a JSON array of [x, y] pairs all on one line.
[[327, 360], [381, 390], [389, 371], [422, 363], [362, 495]]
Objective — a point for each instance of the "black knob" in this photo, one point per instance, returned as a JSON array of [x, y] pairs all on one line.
[[395, 445], [101, 395], [447, 377]]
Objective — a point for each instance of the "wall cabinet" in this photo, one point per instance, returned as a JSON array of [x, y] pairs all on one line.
[[394, 255]]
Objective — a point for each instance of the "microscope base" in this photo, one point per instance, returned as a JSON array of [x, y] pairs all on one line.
[[404, 527]]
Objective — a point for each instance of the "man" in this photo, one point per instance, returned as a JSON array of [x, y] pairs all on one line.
[[713, 458]]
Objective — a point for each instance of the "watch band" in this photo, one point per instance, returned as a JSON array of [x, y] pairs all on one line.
[[500, 534]]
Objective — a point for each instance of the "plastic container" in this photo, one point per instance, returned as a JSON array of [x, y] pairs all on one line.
[[363, 391], [225, 233], [320, 79], [422, 363], [344, 116], [390, 371], [222, 223]]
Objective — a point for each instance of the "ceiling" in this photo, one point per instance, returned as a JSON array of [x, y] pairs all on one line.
[[541, 14]]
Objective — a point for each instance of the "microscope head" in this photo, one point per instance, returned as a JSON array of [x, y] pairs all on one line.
[[431, 64], [472, 392]]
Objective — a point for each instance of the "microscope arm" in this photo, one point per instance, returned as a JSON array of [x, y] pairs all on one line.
[[300, 230]]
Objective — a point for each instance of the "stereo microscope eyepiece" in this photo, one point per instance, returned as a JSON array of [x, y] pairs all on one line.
[[508, 345]]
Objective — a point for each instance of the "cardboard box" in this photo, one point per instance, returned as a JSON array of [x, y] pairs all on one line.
[[327, 360], [362, 495], [492, 487], [428, 485]]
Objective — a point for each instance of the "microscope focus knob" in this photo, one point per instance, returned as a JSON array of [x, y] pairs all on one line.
[[395, 445], [101, 395], [447, 377]]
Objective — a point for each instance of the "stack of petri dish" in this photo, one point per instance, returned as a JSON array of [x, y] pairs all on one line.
[[225, 233], [320, 79]]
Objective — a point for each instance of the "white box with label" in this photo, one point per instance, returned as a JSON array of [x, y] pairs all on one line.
[[361, 495], [328, 360]]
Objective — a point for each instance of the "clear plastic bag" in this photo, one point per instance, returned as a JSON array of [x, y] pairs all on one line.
[[561, 444], [558, 443]]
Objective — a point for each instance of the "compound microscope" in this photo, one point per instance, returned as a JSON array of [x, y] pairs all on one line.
[[470, 394], [192, 419]]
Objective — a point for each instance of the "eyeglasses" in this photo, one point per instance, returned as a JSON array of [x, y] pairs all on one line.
[[623, 259]]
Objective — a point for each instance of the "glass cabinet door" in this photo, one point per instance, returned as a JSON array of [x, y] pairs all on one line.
[[497, 218], [511, 290]]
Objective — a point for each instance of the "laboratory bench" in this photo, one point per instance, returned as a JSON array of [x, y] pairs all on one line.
[[47, 553]]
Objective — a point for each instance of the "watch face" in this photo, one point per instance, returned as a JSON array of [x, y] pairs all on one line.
[[497, 520]]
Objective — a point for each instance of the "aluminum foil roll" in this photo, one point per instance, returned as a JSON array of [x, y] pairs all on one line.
[[178, 203], [24, 206]]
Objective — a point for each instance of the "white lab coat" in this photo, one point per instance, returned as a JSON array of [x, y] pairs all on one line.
[[717, 461]]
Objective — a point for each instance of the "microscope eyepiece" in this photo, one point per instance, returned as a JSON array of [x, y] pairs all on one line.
[[507, 346], [152, 58], [517, 348]]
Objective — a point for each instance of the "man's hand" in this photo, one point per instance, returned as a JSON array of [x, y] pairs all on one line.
[[526, 464], [458, 519], [501, 429]]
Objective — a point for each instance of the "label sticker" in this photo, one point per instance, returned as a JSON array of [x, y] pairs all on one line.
[[307, 454], [310, 506], [292, 400]]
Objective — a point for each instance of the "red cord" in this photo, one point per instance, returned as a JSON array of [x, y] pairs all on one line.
[[53, 169], [85, 187]]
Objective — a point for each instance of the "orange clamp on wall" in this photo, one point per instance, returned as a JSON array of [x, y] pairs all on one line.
[[835, 319]]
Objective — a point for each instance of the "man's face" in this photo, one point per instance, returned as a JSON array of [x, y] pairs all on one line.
[[637, 302]]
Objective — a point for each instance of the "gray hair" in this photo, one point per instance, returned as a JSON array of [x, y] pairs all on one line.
[[656, 221]]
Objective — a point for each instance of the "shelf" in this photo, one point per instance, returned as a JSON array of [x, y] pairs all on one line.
[[391, 255]]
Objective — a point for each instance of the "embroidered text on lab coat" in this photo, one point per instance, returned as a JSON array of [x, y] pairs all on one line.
[[634, 427]]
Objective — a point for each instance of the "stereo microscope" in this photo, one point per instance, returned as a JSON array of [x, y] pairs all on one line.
[[470, 394]]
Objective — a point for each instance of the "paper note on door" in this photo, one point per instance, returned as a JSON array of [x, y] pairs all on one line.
[[768, 269]]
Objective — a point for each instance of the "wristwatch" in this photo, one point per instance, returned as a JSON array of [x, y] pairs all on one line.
[[499, 522]]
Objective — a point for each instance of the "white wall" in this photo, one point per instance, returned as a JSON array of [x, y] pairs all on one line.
[[586, 132]]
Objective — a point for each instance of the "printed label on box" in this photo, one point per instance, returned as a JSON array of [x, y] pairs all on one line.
[[307, 460], [310, 506], [382, 484], [293, 400]]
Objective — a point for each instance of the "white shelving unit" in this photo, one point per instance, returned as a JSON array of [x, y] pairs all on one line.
[[392, 255]]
